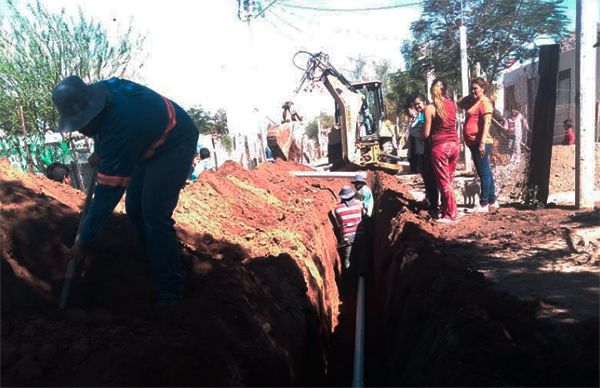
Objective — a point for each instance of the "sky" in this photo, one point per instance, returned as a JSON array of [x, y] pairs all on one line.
[[200, 53]]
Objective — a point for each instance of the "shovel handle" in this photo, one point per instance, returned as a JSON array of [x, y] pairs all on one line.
[[70, 273]]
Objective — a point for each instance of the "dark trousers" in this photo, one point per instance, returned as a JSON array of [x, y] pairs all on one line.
[[152, 196], [484, 171], [431, 190]]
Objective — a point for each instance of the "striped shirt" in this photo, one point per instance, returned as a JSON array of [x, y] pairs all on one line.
[[349, 216]]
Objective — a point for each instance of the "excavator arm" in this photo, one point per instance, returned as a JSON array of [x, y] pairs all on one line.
[[348, 141]]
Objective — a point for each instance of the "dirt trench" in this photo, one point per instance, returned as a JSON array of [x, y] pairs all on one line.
[[261, 299], [265, 303], [437, 321]]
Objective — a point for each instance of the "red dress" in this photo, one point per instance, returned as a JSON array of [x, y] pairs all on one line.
[[444, 156]]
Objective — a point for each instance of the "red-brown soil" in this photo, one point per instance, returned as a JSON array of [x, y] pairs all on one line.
[[471, 304], [562, 170], [260, 303], [468, 304]]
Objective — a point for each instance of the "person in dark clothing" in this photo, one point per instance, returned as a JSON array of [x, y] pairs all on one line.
[[59, 172], [432, 197], [289, 113], [146, 145]]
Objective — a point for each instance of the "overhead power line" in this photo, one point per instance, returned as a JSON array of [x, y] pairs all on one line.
[[305, 7], [266, 8]]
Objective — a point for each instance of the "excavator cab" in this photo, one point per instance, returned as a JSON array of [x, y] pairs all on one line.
[[372, 111]]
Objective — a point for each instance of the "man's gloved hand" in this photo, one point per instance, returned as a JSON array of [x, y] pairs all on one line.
[[79, 253]]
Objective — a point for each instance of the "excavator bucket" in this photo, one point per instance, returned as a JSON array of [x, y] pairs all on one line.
[[281, 141]]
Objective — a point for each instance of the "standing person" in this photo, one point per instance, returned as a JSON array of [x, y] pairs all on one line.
[[432, 197], [364, 193], [569, 138], [478, 118], [146, 145], [516, 124], [59, 172], [289, 113], [440, 129], [348, 214], [364, 117], [200, 164], [416, 123]]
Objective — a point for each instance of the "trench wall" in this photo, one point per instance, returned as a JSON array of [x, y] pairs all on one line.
[[260, 303], [441, 323]]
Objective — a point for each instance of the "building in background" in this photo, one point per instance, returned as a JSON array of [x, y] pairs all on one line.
[[520, 89]]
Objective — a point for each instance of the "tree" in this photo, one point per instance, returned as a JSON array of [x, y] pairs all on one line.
[[209, 123], [201, 118], [312, 128], [404, 84], [383, 74], [38, 49], [219, 122], [499, 33], [359, 66]]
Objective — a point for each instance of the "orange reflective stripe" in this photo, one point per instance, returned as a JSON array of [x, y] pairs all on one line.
[[170, 124], [111, 180]]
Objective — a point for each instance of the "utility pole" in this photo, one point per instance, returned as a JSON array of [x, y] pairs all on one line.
[[430, 73], [464, 70], [585, 95]]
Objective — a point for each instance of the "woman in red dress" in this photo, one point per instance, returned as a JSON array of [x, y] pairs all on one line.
[[440, 128]]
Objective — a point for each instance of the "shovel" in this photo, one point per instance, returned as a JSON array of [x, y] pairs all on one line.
[[71, 266]]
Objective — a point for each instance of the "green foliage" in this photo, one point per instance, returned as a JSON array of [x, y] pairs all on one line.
[[200, 117], [527, 196], [382, 71], [357, 71], [227, 142], [498, 33], [209, 123], [312, 128], [38, 49]]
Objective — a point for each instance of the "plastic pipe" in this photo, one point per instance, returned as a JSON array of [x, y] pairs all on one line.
[[358, 374]]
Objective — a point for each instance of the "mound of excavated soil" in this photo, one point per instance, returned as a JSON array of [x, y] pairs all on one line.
[[260, 300], [562, 170], [441, 322], [509, 177]]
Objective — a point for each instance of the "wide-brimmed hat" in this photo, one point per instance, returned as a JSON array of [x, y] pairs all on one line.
[[77, 102], [359, 178], [347, 192]]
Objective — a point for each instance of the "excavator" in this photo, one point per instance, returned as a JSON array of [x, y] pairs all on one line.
[[359, 116]]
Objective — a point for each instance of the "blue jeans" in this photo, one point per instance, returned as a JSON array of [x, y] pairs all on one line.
[[484, 170], [152, 196]]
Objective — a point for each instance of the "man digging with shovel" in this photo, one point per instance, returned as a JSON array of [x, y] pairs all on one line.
[[146, 144]]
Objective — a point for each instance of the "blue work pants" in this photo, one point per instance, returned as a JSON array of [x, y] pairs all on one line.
[[152, 196]]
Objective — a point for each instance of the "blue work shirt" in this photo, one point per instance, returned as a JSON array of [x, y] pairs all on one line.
[[366, 196], [137, 124]]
